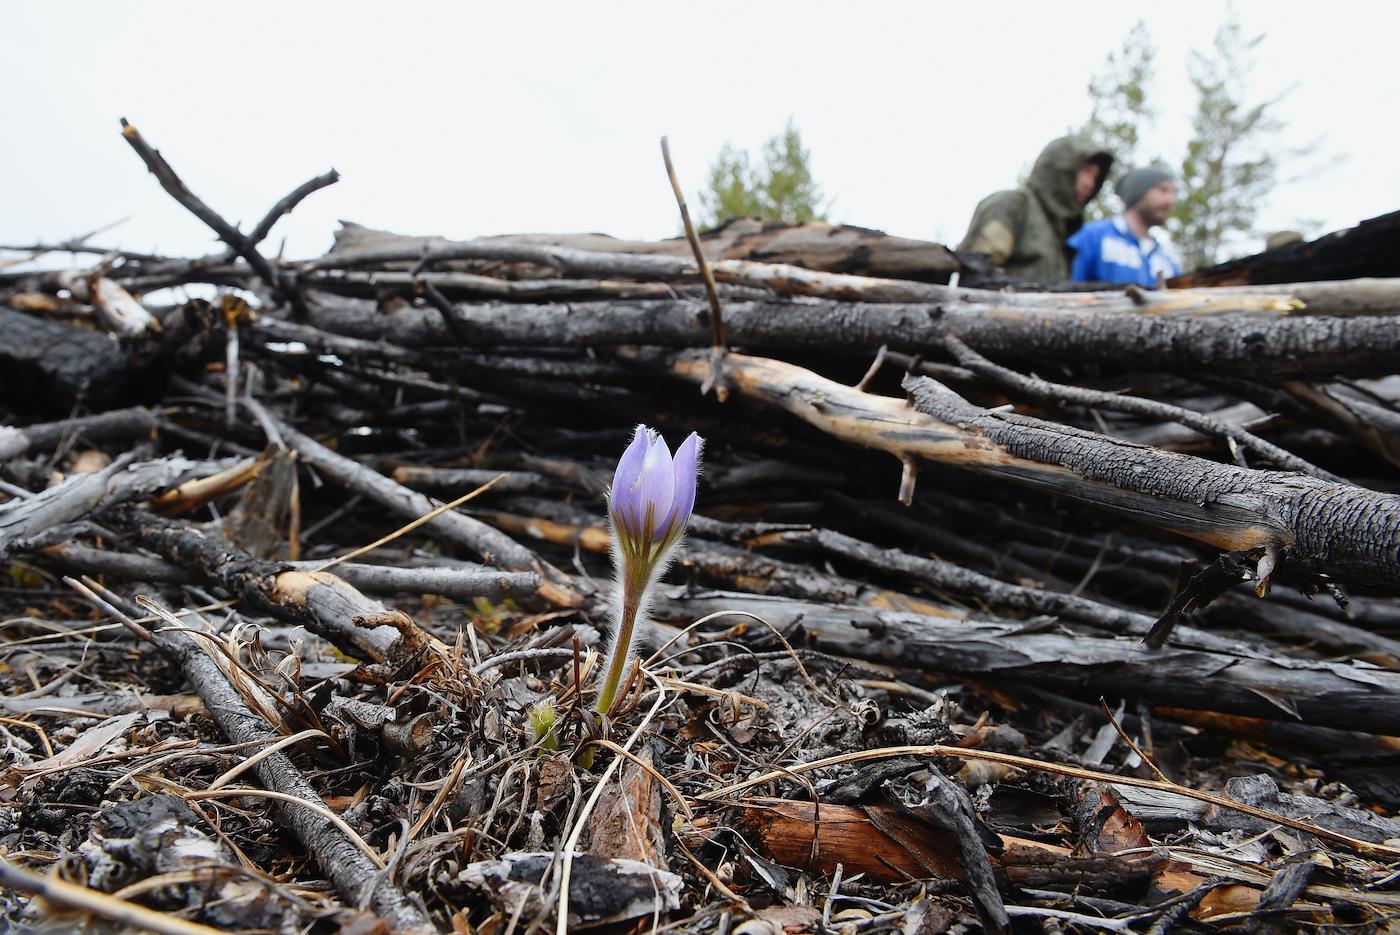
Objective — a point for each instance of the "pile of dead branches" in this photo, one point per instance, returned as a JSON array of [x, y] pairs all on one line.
[[1011, 610]]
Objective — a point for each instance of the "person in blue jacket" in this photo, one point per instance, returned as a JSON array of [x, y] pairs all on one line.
[[1122, 249]]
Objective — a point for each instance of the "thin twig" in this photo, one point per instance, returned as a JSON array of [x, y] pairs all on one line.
[[263, 754], [720, 887], [285, 205], [71, 245], [180, 192], [717, 342], [875, 366], [650, 770], [87, 587], [448, 787], [490, 662]]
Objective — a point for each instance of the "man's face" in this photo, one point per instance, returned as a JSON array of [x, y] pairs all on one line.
[[1156, 205], [1087, 182]]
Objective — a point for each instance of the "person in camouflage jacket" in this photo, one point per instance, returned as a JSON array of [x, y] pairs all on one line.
[[1024, 230]]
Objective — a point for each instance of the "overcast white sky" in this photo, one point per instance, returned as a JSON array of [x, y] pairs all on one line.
[[469, 119]]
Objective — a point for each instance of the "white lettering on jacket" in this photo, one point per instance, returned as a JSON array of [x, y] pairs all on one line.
[[1121, 253]]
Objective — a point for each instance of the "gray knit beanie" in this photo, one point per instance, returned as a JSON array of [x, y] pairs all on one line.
[[1135, 184]]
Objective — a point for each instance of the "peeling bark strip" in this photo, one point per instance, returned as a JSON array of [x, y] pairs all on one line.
[[894, 845], [1256, 343], [1324, 694], [1335, 528], [320, 601]]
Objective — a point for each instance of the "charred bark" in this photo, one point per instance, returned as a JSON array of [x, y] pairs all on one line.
[[1371, 248], [1336, 528], [47, 366]]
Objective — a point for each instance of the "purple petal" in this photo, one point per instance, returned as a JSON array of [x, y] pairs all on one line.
[[684, 469], [657, 483], [625, 498]]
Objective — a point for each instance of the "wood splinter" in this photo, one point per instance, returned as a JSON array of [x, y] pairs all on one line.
[[907, 479]]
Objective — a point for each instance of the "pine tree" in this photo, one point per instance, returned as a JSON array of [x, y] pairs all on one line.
[[1120, 94], [790, 194], [1232, 160], [731, 193], [782, 189]]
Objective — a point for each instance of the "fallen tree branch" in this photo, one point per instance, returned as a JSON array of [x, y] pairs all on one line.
[[782, 278], [453, 582], [1333, 528], [83, 494], [1037, 388], [996, 594], [285, 205], [105, 426], [324, 603], [814, 245], [1246, 343]]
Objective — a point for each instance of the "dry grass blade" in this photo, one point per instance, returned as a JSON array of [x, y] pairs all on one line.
[[253, 760], [409, 527]]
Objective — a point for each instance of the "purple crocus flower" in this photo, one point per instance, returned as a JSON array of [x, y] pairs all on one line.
[[649, 504], [652, 492]]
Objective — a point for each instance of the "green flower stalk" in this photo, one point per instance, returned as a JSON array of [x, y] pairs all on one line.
[[649, 505]]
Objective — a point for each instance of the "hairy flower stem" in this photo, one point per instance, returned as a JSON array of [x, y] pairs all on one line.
[[620, 650]]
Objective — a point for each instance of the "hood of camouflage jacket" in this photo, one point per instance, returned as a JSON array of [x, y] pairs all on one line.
[[1052, 178]]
